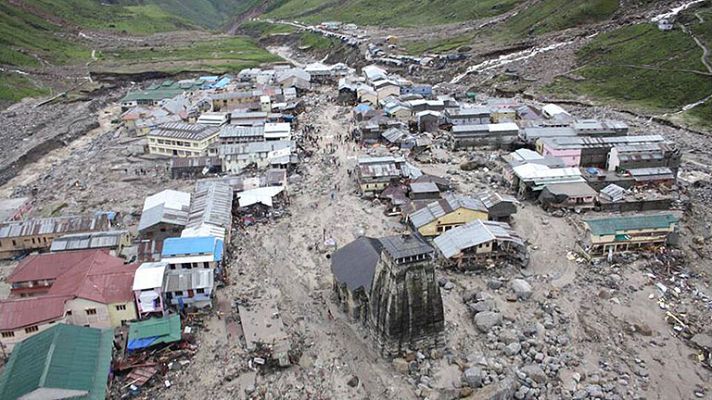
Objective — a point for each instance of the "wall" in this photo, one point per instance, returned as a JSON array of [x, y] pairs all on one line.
[[571, 158], [458, 217], [78, 307], [20, 335], [116, 316], [188, 148]]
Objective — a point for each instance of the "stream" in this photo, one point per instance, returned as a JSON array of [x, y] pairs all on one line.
[[508, 59]]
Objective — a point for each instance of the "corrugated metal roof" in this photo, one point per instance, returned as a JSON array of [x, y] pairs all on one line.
[[184, 279], [190, 246], [236, 131], [63, 357], [90, 240], [56, 225], [424, 187], [23, 312], [454, 241], [491, 199], [161, 214], [449, 203], [172, 199], [620, 224], [183, 130], [229, 150], [149, 275], [212, 204], [154, 331]]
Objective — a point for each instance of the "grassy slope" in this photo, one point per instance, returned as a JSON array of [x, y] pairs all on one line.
[[259, 29], [395, 12], [219, 54], [553, 15], [14, 87], [542, 17], [641, 66]]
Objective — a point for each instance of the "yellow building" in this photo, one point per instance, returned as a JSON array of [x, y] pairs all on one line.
[[179, 139], [623, 233], [447, 213]]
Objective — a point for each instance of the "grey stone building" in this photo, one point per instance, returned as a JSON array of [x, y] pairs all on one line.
[[389, 285]]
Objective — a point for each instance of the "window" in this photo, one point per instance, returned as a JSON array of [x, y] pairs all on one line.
[[91, 311], [31, 329], [68, 313], [8, 334], [121, 307], [179, 293], [201, 291]]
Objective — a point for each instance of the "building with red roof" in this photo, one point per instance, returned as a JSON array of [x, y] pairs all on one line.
[[86, 288]]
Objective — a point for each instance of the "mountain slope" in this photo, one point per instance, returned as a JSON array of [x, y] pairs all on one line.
[[394, 12]]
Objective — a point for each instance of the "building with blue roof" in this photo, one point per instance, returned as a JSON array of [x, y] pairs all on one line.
[[192, 252]]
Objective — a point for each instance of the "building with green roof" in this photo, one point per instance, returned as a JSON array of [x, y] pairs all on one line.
[[158, 91], [154, 331], [64, 361], [621, 233]]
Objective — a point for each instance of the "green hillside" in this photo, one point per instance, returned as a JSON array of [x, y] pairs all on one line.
[[642, 66], [553, 15], [395, 12]]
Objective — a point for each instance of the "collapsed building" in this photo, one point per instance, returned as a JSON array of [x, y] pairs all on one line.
[[389, 285], [481, 243]]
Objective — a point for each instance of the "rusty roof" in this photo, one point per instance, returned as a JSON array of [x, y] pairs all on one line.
[[55, 225], [17, 313]]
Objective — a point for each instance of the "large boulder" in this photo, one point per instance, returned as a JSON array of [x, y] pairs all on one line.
[[535, 373], [487, 320], [473, 377], [521, 288]]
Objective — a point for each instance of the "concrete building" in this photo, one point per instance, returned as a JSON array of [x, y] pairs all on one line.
[[234, 134], [237, 157], [112, 241], [622, 233], [21, 237], [465, 137], [148, 289], [87, 288], [468, 116], [581, 151], [164, 215], [573, 195], [375, 173], [447, 213], [62, 362], [179, 139]]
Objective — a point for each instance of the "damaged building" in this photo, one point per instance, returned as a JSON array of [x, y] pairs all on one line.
[[389, 285], [482, 243]]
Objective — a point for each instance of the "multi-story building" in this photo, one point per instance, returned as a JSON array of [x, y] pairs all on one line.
[[180, 139]]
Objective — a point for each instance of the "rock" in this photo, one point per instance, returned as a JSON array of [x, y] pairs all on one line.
[[448, 285], [513, 349], [484, 305], [400, 365], [594, 391], [487, 320], [521, 288], [494, 284], [535, 373], [580, 395], [465, 392], [473, 377], [353, 382], [508, 336], [702, 341]]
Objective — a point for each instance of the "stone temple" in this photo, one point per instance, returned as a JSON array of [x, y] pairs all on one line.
[[389, 285]]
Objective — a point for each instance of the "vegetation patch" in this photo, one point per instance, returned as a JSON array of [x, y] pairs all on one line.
[[641, 66], [221, 54], [15, 87], [395, 12]]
